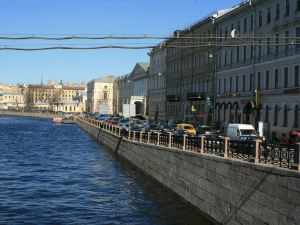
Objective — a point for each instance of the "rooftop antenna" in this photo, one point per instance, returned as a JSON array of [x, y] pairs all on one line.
[[42, 80]]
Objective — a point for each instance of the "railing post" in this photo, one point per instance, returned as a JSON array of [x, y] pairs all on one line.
[[141, 136], [158, 135], [202, 144], [128, 134], [170, 140], [133, 136], [184, 142], [226, 147], [148, 138], [257, 150]]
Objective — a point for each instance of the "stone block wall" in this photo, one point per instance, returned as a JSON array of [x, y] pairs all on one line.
[[228, 191]]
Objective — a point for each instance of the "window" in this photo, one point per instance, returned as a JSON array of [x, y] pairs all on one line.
[[252, 52], [230, 85], [285, 116], [225, 59], [244, 82], [105, 96], [237, 84], [276, 79], [275, 115], [298, 5], [277, 43], [267, 114], [296, 116], [286, 77], [221, 34], [231, 55], [245, 53], [287, 35], [277, 11], [237, 54], [252, 22], [245, 25], [251, 82], [258, 80], [287, 7], [269, 15], [219, 88], [259, 49], [267, 79], [260, 19], [298, 37], [226, 33], [225, 88], [296, 76], [239, 26], [268, 46]]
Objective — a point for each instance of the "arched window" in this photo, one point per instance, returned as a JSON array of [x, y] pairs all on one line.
[[296, 117], [285, 116], [275, 115]]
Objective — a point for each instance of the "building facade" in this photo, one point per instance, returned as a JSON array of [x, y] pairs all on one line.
[[133, 89], [157, 84], [100, 95], [258, 76], [190, 69], [54, 97], [11, 100]]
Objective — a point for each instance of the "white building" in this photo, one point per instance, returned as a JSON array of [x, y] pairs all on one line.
[[100, 95]]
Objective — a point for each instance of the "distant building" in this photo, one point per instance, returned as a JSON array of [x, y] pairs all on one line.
[[100, 95], [133, 89], [11, 100], [56, 97]]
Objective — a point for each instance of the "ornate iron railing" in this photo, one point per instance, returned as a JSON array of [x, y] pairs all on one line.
[[214, 146], [193, 143], [282, 155], [244, 150]]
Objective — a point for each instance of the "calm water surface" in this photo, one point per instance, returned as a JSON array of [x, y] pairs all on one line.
[[57, 174]]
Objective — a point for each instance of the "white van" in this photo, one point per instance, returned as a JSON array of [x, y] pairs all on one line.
[[241, 132]]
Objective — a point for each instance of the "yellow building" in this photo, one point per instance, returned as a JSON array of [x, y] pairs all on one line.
[[11, 100]]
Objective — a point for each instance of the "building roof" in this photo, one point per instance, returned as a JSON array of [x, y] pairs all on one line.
[[107, 79], [144, 65], [10, 93]]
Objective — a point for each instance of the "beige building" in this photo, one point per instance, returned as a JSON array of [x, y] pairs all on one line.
[[157, 84], [100, 95], [56, 97], [190, 71], [11, 100], [258, 77]]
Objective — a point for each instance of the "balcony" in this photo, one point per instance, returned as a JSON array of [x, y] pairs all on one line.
[[194, 96], [173, 98]]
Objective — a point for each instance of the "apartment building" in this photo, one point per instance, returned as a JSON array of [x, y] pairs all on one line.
[[157, 84], [258, 65], [190, 68]]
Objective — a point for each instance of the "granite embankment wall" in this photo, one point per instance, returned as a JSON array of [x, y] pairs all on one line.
[[31, 114], [228, 191]]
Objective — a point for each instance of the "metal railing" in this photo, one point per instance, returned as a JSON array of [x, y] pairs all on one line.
[[277, 154]]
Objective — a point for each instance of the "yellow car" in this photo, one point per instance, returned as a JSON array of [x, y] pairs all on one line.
[[188, 129]]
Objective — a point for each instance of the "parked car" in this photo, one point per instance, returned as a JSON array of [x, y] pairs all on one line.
[[188, 129]]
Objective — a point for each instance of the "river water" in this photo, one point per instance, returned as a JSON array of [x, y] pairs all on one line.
[[57, 174]]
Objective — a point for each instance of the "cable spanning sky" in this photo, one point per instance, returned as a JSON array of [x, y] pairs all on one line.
[[88, 17]]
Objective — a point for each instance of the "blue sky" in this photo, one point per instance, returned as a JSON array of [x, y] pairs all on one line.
[[124, 17]]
